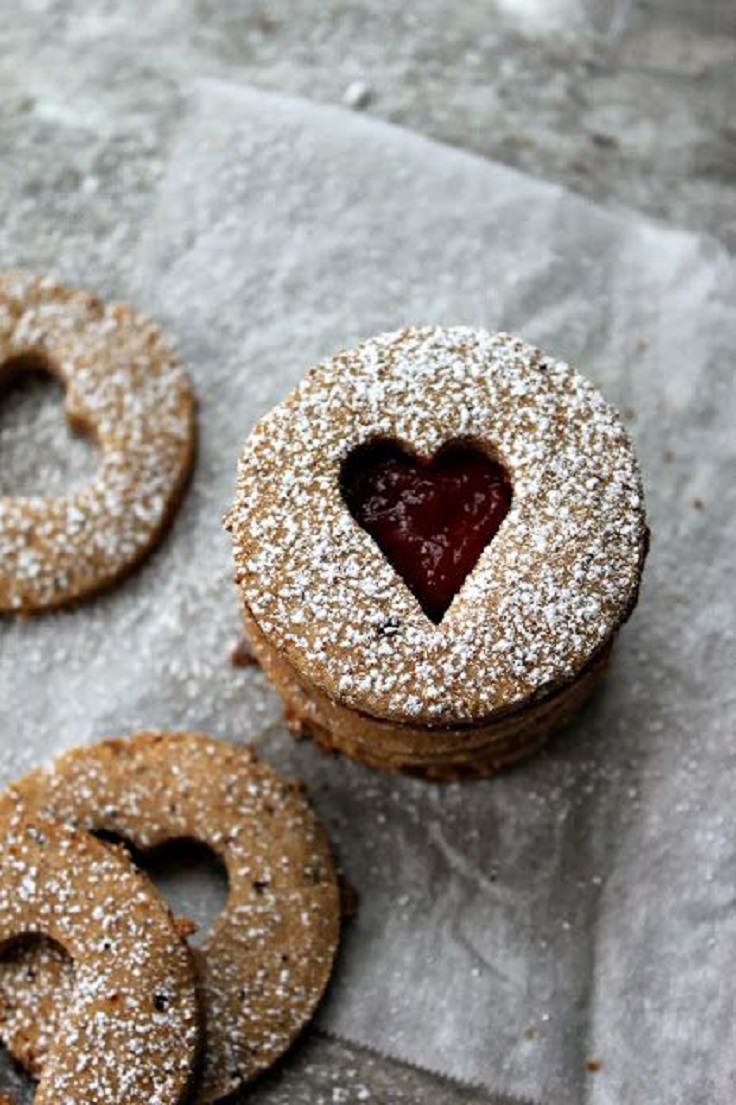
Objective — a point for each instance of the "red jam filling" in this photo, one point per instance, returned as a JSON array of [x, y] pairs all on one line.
[[430, 518]]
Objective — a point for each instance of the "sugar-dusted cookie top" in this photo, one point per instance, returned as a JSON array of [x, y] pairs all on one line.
[[556, 581], [263, 967], [127, 390], [130, 1034]]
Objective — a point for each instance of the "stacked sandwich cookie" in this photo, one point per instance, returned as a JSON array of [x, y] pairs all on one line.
[[437, 537]]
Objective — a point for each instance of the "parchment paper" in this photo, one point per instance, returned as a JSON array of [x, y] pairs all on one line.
[[582, 906]]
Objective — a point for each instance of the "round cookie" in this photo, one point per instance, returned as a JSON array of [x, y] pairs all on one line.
[[265, 964], [130, 1034], [364, 662], [127, 390]]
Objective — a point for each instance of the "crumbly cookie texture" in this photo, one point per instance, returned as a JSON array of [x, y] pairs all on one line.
[[264, 966], [36, 986], [440, 755], [547, 593], [126, 388], [130, 1034]]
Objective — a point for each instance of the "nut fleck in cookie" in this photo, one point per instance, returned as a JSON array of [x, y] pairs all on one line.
[[266, 962], [130, 1034], [437, 537], [126, 389]]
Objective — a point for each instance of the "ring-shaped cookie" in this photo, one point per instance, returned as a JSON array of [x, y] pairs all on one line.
[[127, 390], [337, 629], [130, 1035], [265, 964]]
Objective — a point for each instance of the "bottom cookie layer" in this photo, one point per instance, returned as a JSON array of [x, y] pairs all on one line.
[[441, 754]]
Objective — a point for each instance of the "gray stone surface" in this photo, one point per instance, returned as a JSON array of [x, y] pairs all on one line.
[[630, 103]]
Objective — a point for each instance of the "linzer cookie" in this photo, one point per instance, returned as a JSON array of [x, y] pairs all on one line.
[[437, 537], [126, 389], [130, 1034], [263, 968]]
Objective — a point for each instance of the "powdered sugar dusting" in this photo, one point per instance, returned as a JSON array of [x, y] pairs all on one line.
[[266, 962], [558, 579], [36, 986], [125, 387], [131, 1030]]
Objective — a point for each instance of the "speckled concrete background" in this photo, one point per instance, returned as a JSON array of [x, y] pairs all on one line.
[[628, 101]]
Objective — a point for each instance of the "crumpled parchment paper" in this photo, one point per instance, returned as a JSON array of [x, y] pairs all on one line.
[[582, 906]]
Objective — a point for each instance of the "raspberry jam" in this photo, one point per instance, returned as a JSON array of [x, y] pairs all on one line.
[[430, 518]]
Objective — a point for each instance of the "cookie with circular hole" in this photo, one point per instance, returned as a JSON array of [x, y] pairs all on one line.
[[264, 966], [131, 1029]]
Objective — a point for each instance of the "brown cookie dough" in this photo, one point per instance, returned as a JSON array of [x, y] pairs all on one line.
[[361, 663], [264, 966], [36, 986], [440, 755], [127, 390], [130, 1035]]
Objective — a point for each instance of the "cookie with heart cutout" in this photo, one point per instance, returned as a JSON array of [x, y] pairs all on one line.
[[437, 537], [130, 1033], [265, 964], [127, 390]]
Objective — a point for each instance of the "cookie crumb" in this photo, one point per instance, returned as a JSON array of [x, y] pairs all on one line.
[[349, 899], [243, 656], [357, 95]]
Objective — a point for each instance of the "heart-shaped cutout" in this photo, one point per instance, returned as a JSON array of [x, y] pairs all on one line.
[[41, 452], [431, 518]]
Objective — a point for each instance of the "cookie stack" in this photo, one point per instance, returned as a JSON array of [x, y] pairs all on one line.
[[146, 1017], [437, 538]]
